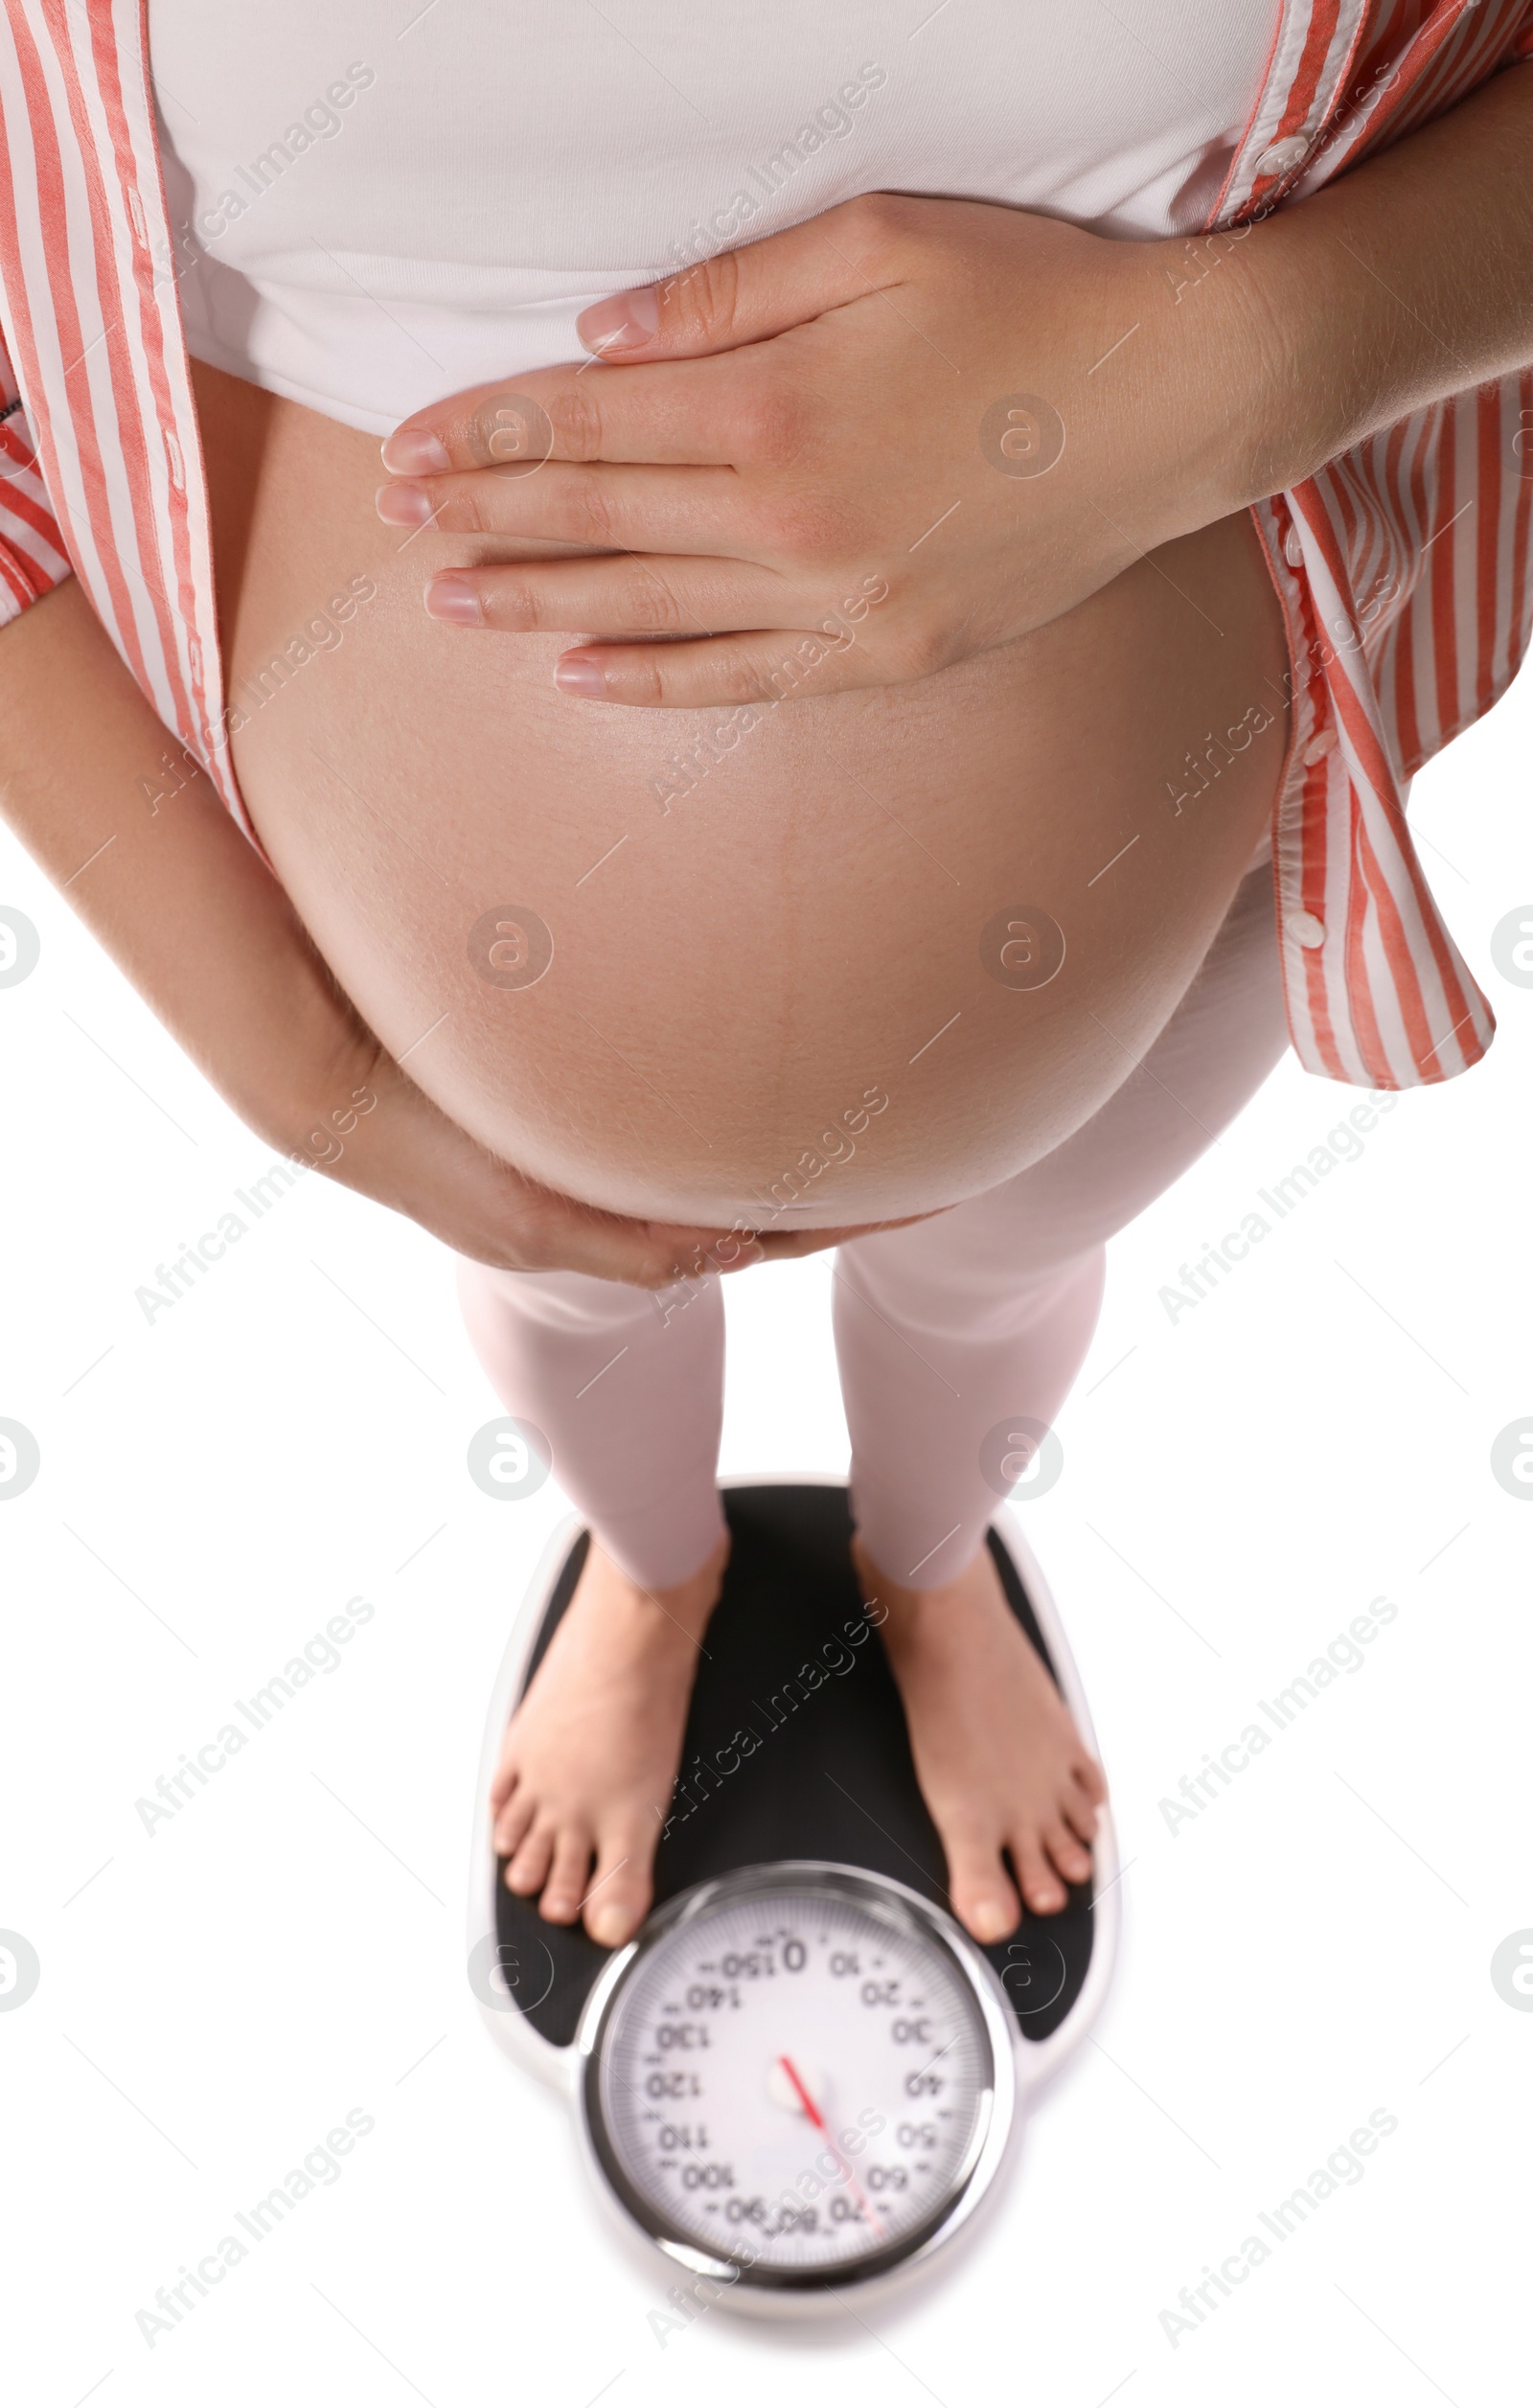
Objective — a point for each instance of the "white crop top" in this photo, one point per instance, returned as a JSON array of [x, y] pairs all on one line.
[[377, 205]]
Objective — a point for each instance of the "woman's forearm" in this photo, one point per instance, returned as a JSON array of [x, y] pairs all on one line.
[[1407, 279], [163, 878], [160, 874]]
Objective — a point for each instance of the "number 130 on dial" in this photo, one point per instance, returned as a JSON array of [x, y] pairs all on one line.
[[797, 2078]]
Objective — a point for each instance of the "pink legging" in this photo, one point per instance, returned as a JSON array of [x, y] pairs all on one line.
[[945, 1332]]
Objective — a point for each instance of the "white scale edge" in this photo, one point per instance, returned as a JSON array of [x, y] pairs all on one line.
[[560, 2066]]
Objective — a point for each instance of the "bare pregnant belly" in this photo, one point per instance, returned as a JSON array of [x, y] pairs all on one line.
[[886, 950]]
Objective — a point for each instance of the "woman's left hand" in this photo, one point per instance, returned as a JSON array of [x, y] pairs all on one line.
[[891, 438]]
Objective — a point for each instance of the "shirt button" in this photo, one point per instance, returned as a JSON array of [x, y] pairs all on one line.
[[1319, 747], [1308, 931], [1292, 548], [1279, 156]]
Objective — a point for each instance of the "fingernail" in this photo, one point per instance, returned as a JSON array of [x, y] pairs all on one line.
[[403, 505], [579, 674], [453, 599], [414, 452], [621, 324], [609, 1926]]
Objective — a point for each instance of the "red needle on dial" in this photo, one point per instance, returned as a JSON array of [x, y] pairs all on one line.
[[821, 2126]]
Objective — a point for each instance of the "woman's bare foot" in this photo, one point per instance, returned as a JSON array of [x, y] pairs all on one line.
[[999, 1761], [590, 1755]]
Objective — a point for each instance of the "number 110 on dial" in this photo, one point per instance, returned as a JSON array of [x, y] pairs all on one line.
[[799, 2074]]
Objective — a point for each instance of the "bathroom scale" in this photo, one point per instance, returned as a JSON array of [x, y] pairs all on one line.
[[802, 2074]]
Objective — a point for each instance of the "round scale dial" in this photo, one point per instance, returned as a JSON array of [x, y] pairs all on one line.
[[795, 2071]]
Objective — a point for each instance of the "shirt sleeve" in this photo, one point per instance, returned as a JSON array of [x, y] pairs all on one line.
[[32, 558]]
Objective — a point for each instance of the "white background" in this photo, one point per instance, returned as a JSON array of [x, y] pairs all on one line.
[[1237, 1486]]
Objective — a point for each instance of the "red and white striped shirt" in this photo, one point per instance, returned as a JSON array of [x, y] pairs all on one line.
[[1404, 567]]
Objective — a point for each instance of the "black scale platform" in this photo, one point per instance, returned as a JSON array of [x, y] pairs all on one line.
[[831, 1777]]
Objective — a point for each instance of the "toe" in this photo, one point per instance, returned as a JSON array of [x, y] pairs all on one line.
[[1042, 1886], [1067, 1853], [505, 1780], [570, 1876], [621, 1889], [1089, 1774], [1078, 1812], [528, 1868], [514, 1821], [982, 1896]]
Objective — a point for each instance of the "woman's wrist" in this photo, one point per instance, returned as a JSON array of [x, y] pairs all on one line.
[[1258, 364], [309, 1095], [1408, 279], [159, 872]]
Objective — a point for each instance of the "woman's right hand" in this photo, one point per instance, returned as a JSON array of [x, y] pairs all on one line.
[[197, 922], [388, 1140]]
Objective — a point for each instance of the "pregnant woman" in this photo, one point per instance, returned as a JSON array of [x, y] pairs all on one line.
[[943, 534]]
